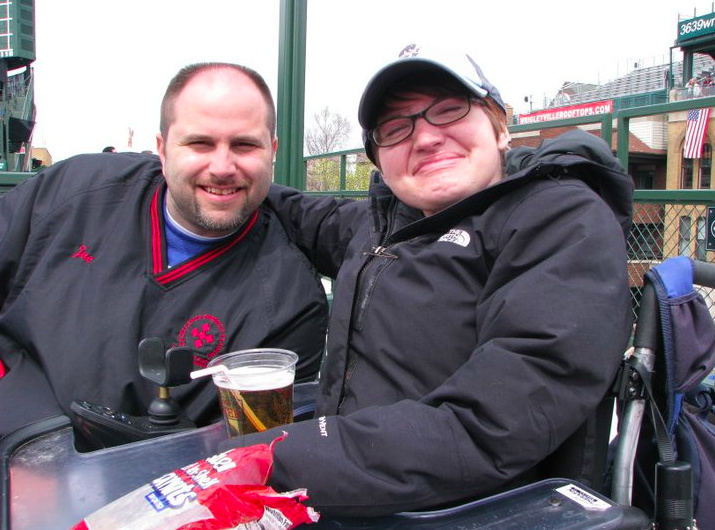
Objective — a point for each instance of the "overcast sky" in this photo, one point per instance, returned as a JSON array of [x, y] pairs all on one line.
[[102, 65]]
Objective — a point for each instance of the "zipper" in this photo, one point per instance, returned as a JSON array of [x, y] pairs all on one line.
[[367, 279], [378, 252]]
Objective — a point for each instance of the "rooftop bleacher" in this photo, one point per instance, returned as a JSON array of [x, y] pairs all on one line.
[[639, 81]]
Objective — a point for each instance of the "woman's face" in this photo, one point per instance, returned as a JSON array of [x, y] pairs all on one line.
[[439, 165]]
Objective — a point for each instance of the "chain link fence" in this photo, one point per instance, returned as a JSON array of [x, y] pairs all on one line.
[[663, 229]]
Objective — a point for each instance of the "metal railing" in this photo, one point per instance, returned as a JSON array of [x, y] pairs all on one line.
[[10, 179], [342, 173], [693, 92]]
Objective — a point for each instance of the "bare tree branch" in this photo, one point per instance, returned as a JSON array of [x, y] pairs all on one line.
[[329, 134]]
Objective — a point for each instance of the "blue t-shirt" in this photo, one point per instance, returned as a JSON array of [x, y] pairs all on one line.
[[181, 244]]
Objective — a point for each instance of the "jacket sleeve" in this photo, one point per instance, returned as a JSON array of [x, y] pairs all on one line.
[[21, 379], [553, 322], [321, 227]]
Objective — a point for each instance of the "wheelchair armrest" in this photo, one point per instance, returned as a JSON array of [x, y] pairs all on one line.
[[304, 396]]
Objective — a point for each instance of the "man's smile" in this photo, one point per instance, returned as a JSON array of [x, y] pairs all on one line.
[[221, 191]]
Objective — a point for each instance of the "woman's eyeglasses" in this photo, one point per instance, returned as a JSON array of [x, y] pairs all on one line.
[[442, 112]]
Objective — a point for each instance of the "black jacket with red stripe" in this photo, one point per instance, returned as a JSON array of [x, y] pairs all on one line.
[[84, 278]]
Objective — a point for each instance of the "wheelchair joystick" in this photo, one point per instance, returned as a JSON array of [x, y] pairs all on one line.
[[102, 427], [165, 368], [164, 410]]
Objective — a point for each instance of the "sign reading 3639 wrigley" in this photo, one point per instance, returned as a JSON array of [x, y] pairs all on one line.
[[696, 27]]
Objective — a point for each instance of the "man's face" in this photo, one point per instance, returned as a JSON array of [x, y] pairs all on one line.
[[217, 155], [439, 165]]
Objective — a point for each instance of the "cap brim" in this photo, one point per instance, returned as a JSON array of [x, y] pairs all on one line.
[[377, 86]]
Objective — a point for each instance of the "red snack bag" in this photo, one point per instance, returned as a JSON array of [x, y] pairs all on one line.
[[232, 483], [235, 506]]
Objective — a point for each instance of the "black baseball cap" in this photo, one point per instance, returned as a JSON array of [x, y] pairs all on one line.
[[414, 59]]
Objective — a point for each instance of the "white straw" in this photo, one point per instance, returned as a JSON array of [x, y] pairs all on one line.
[[210, 370]]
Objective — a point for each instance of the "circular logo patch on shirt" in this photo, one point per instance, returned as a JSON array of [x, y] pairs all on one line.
[[205, 334]]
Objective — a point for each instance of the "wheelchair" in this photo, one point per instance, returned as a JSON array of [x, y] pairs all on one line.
[[46, 483]]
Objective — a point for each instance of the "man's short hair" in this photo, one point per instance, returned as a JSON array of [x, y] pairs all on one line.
[[186, 74]]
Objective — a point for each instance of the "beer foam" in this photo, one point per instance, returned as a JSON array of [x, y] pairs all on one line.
[[255, 378]]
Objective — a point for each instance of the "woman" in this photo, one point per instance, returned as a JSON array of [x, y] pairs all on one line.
[[478, 319]]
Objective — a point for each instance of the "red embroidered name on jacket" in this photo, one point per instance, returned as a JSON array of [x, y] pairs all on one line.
[[83, 254]]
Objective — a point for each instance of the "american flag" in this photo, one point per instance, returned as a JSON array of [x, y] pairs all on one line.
[[695, 132]]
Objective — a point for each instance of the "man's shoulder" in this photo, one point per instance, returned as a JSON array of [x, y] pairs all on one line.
[[93, 170], [89, 177]]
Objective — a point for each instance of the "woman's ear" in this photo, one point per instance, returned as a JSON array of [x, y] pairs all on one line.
[[503, 139]]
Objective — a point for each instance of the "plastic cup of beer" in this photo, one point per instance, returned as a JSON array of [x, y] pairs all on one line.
[[256, 390]]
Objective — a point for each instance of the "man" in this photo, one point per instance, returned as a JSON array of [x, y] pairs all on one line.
[[98, 253], [481, 304]]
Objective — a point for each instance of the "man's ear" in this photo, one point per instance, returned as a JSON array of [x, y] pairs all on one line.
[[160, 145]]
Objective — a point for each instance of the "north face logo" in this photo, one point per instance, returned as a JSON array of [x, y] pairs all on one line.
[[205, 334], [459, 237]]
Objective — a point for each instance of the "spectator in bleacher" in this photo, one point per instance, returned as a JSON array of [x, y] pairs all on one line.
[[693, 86], [707, 84], [562, 99]]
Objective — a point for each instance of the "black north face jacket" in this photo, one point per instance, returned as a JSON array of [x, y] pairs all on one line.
[[84, 278], [463, 347]]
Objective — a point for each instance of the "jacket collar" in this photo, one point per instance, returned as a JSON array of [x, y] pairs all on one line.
[[158, 261]]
